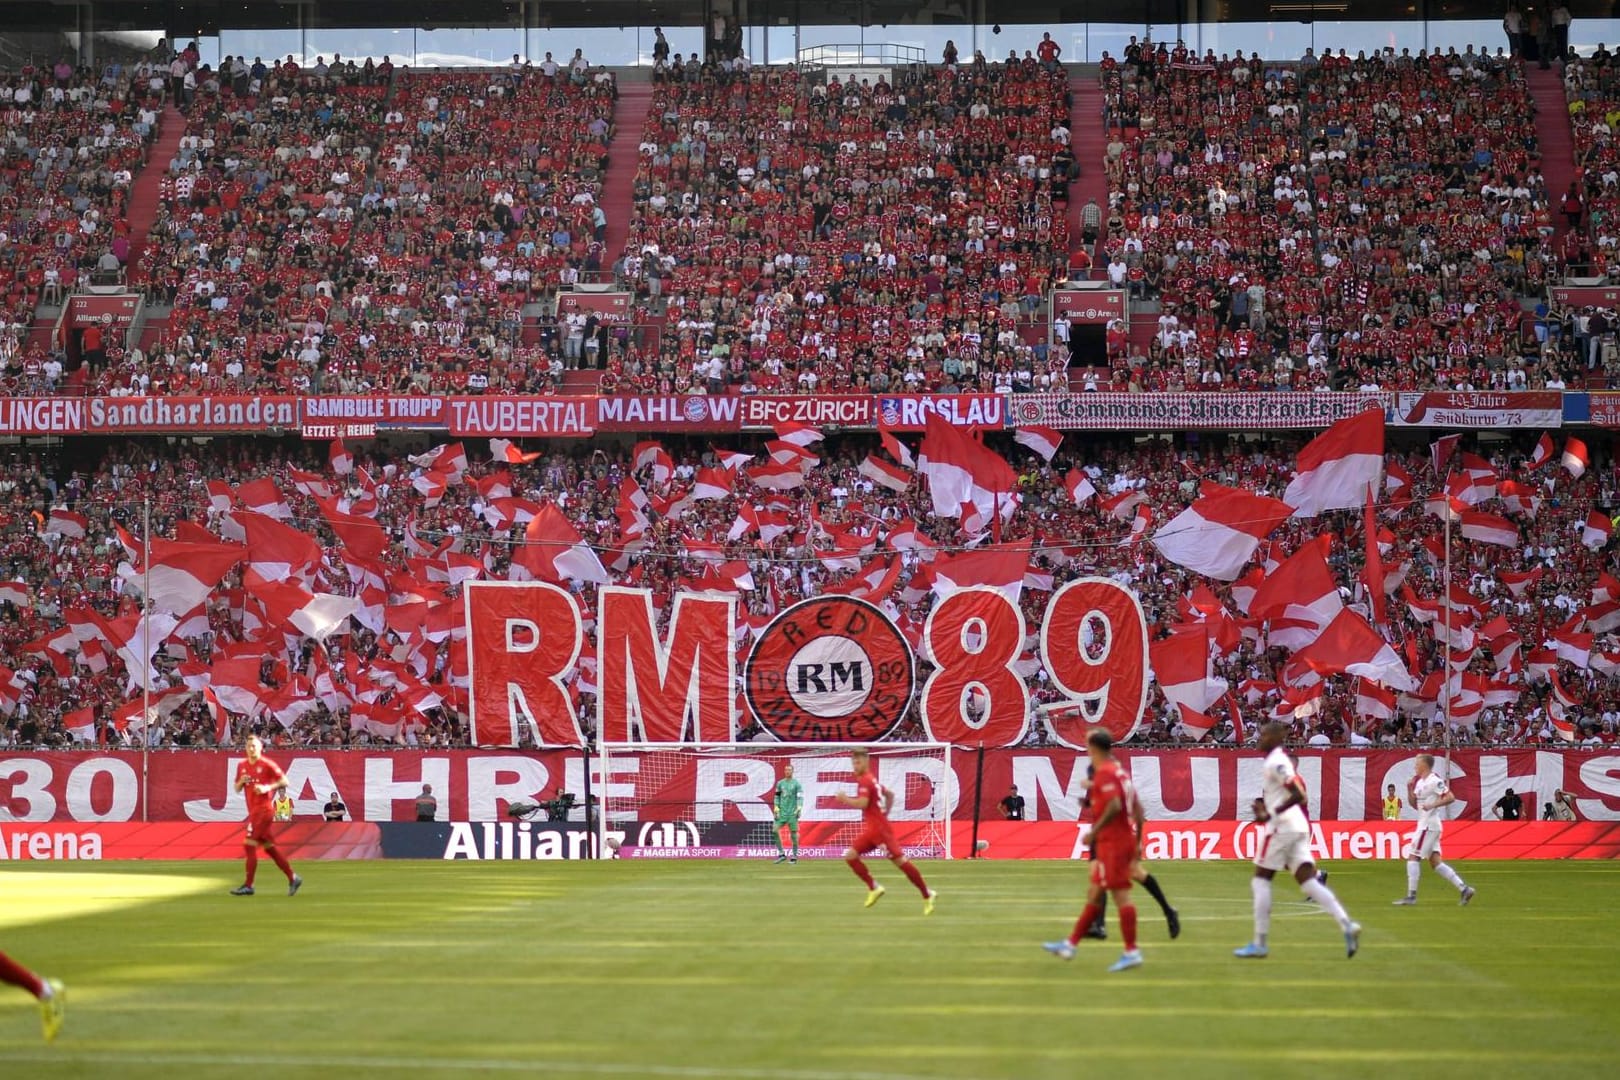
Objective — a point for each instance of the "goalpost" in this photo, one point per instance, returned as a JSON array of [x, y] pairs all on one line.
[[694, 800]]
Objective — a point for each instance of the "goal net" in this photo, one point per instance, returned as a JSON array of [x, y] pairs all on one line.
[[712, 800]]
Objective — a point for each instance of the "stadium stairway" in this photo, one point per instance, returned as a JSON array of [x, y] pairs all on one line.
[[629, 121], [1089, 142], [146, 192], [1553, 135]]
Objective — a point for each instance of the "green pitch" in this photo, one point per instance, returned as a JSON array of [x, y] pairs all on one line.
[[742, 970]]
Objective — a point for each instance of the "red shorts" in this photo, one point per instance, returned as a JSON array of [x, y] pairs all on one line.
[[261, 828], [874, 835], [1111, 867]]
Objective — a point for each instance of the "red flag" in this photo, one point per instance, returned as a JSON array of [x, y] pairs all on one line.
[[1544, 451], [1336, 468], [1440, 452], [1372, 568]]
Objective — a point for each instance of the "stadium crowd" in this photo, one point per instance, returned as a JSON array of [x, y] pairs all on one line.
[[1327, 222], [439, 531]]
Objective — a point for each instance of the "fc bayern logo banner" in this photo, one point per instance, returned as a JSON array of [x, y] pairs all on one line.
[[830, 669]]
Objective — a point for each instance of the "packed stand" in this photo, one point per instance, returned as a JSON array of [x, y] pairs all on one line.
[[841, 236], [445, 520], [74, 138], [1331, 222]]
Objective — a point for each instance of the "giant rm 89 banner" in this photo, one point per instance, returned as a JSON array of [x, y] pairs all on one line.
[[832, 668]]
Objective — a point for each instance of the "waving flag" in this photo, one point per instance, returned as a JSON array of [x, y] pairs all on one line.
[[554, 551], [1218, 533], [712, 483], [1597, 529], [883, 474], [1078, 484], [1336, 468], [1181, 667], [800, 435], [1195, 723], [277, 552], [1543, 452], [999, 566], [775, 477], [897, 449], [1576, 458], [1349, 646], [184, 574], [1374, 701], [63, 522], [961, 471], [341, 460], [1042, 440], [263, 497], [505, 450], [1301, 588], [1489, 529]]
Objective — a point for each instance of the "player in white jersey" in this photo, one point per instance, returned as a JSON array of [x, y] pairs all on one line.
[[1431, 796], [1285, 844]]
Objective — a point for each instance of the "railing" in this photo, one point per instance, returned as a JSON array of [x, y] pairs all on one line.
[[866, 54]]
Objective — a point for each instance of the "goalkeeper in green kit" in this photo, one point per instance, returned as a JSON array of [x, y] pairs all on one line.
[[787, 804]]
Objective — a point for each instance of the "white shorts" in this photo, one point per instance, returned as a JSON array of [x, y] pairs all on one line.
[[1283, 851], [1424, 843]]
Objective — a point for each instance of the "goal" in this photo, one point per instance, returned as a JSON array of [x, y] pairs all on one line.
[[694, 800]]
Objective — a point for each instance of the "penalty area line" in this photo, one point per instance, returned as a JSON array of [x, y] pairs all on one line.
[[462, 1065]]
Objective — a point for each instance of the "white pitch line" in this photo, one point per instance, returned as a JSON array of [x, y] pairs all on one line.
[[461, 1065]]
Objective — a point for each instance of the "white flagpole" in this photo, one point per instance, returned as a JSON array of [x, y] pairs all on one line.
[[1445, 682], [146, 650]]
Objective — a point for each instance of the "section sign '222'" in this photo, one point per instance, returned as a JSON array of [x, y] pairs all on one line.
[[831, 668]]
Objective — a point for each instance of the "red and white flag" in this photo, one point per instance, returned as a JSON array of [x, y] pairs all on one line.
[[450, 458], [1195, 723], [15, 592], [997, 566], [339, 457], [1042, 440], [1350, 646], [1597, 529], [1301, 588], [1560, 709], [1079, 486], [277, 552], [81, 724], [313, 615], [505, 450], [1489, 529], [263, 497], [1440, 452], [1518, 498], [1517, 582], [1181, 667], [897, 449], [774, 477], [1374, 701], [963, 472], [1336, 468], [883, 474], [554, 551], [183, 575], [1217, 535], [1605, 588], [1122, 506], [1576, 458], [1571, 645], [712, 483], [801, 435], [1543, 452], [63, 522], [732, 459]]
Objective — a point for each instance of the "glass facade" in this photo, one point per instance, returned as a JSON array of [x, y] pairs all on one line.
[[782, 42]]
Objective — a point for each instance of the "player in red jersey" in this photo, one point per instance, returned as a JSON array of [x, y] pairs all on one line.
[[48, 992], [873, 800], [259, 777], [1118, 847]]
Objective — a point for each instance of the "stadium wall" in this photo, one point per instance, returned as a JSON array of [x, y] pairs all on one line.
[[558, 841], [480, 786]]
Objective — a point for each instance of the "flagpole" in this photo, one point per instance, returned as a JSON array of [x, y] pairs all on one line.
[[146, 650], [1445, 682]]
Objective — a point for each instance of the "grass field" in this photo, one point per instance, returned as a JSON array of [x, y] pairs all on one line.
[[740, 970]]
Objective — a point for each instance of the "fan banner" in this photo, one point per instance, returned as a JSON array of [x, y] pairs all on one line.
[[668, 413], [407, 411], [1528, 409], [1109, 411], [192, 415], [481, 785]]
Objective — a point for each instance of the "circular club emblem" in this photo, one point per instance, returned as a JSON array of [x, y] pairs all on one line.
[[830, 669], [697, 410], [889, 411], [1030, 412]]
